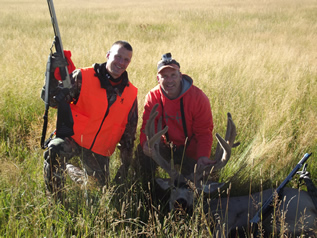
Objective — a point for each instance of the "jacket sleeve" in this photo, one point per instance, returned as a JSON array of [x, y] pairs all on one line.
[[126, 144], [127, 140], [145, 117], [203, 126]]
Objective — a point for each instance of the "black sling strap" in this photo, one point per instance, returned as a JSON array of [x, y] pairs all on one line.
[[183, 120], [166, 134]]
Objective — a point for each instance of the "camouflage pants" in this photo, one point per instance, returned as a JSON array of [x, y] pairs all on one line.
[[56, 160]]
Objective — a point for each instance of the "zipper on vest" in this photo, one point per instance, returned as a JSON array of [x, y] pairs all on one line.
[[103, 120]]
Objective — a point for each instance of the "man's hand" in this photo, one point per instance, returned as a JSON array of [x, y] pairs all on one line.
[[70, 65], [204, 161]]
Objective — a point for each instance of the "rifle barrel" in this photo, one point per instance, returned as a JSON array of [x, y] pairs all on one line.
[[266, 205], [58, 43]]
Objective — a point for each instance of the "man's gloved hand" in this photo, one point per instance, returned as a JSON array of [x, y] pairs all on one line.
[[62, 95], [70, 65]]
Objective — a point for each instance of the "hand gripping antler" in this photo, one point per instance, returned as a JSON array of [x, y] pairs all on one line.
[[153, 141], [223, 152]]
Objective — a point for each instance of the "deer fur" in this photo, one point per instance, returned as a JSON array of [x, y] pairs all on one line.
[[296, 209]]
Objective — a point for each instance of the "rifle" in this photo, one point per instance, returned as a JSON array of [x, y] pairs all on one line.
[[267, 204], [64, 125], [58, 44]]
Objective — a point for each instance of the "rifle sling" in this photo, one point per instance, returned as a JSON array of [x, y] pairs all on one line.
[[183, 120]]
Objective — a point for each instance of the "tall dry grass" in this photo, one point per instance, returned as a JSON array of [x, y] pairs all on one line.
[[255, 59]]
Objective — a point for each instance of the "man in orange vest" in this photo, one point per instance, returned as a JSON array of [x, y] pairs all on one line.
[[105, 112]]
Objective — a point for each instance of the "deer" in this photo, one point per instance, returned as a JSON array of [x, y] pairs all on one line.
[[230, 214]]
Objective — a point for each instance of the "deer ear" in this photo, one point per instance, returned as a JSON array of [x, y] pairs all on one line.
[[164, 184], [211, 187]]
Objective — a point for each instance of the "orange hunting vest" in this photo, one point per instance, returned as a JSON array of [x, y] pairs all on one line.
[[92, 128]]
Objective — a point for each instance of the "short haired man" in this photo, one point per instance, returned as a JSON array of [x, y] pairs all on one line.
[[185, 109], [105, 112]]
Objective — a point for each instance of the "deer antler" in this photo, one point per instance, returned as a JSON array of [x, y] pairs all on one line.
[[153, 141], [223, 152]]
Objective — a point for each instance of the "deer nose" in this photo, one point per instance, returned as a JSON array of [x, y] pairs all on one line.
[[180, 203]]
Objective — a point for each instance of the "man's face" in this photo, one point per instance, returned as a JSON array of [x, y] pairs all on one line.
[[119, 59], [170, 81]]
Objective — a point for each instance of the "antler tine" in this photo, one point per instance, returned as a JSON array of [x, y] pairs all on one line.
[[231, 132], [150, 125], [223, 150], [226, 152], [154, 139]]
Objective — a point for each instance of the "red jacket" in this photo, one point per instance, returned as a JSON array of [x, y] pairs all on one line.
[[94, 129], [198, 116]]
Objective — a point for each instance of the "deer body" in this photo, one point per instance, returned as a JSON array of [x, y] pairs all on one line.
[[293, 213], [296, 214]]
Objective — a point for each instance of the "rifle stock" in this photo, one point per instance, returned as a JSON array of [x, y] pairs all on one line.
[[266, 205]]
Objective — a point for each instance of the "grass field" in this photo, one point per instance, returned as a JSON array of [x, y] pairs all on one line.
[[255, 59]]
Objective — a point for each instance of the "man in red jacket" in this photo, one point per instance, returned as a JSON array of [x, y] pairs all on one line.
[[104, 108], [185, 109]]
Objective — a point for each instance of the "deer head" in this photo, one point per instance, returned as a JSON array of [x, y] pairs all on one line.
[[184, 188]]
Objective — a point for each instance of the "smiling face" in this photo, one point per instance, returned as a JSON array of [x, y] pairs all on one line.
[[170, 80], [119, 59]]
